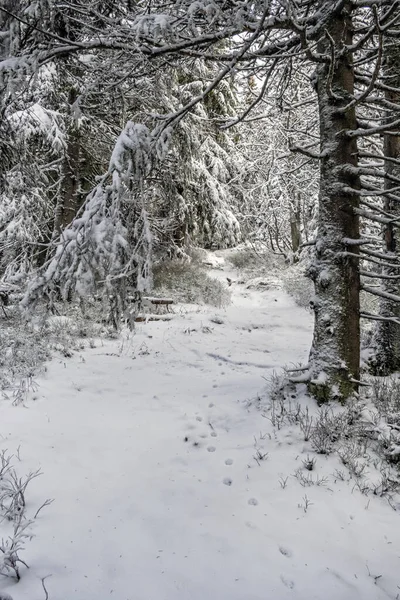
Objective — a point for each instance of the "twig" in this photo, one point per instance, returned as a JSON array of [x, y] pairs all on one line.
[[45, 503], [44, 587]]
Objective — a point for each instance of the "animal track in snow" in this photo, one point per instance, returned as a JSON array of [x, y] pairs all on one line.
[[227, 481], [229, 462], [211, 448], [287, 582], [285, 551], [252, 501]]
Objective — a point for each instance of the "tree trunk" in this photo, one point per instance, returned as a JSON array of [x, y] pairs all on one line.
[[67, 204], [335, 353], [387, 334], [295, 224]]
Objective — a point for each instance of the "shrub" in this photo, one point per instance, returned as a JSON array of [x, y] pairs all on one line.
[[298, 286], [254, 259], [327, 429], [244, 259], [26, 345], [189, 282], [386, 396], [15, 521]]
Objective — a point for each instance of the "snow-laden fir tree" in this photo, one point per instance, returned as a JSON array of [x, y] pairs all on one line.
[[107, 246], [193, 193]]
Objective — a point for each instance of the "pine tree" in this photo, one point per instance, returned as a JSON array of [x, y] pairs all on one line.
[[196, 195], [387, 337]]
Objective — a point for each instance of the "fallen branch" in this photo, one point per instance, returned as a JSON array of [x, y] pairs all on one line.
[[146, 318]]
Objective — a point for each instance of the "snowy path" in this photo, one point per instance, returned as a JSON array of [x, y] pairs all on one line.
[[148, 449]]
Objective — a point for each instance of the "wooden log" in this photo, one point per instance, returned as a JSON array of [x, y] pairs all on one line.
[[146, 318], [164, 301]]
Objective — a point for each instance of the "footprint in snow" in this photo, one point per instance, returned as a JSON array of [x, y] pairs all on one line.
[[196, 444], [213, 434], [211, 449], [252, 501], [227, 481], [229, 462], [285, 551], [287, 582]]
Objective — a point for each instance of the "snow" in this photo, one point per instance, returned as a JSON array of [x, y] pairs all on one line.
[[148, 446], [321, 379], [133, 144], [37, 120]]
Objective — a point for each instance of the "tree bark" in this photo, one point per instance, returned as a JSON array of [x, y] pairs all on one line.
[[67, 204], [387, 334], [335, 353], [295, 225]]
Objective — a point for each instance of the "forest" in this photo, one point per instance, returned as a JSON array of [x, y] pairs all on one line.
[[199, 256]]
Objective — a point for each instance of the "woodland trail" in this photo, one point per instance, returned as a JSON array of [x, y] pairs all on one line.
[[169, 483]]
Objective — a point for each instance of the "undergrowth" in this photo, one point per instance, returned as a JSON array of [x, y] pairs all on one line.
[[25, 345], [17, 515], [259, 262], [256, 260], [188, 282], [298, 286], [364, 434]]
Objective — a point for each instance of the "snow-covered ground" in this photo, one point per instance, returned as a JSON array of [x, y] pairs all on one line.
[[149, 445]]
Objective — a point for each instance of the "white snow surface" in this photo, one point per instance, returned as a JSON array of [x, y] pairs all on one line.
[[147, 446]]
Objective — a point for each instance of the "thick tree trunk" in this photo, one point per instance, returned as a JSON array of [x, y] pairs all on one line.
[[335, 352], [387, 334]]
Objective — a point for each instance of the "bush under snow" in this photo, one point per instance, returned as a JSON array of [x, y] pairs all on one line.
[[189, 282]]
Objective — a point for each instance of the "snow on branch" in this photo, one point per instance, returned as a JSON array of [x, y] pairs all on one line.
[[359, 242], [375, 275], [381, 293], [38, 120], [373, 130], [109, 241], [372, 317]]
